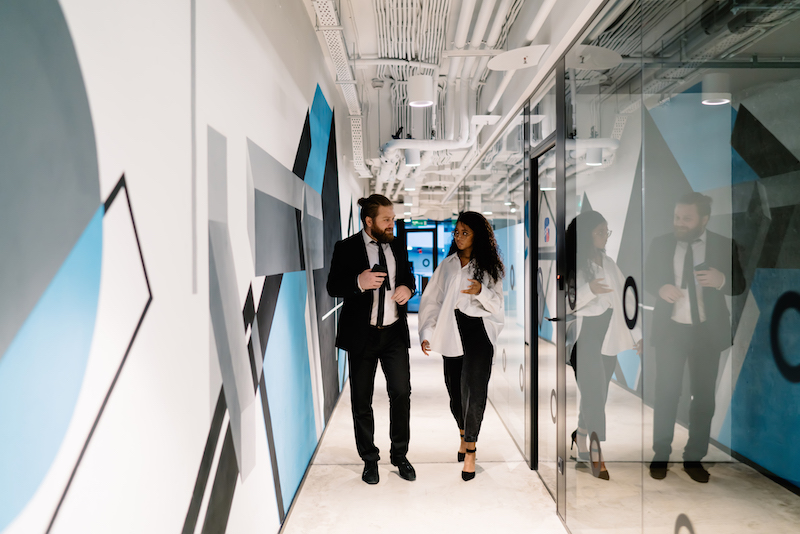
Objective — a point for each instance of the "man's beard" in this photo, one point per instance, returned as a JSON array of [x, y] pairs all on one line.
[[689, 234], [384, 237]]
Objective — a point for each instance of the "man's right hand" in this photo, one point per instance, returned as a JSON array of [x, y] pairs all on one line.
[[670, 293], [370, 280], [426, 346]]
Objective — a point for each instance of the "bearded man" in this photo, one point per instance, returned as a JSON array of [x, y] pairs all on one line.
[[373, 327], [690, 271]]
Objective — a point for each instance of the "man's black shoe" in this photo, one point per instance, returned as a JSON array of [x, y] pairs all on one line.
[[658, 470], [370, 475], [696, 472], [405, 469]]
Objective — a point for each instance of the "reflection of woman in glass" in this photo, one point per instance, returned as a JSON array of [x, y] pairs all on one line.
[[460, 317], [599, 287]]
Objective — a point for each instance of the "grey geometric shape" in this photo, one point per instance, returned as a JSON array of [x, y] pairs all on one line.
[[49, 182], [313, 231], [277, 243], [217, 176], [777, 108], [251, 211], [234, 361], [271, 177]]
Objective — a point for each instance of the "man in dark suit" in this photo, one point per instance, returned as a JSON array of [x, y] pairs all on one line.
[[690, 271], [373, 327]]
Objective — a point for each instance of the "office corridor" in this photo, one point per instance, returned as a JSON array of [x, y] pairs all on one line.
[[505, 496]]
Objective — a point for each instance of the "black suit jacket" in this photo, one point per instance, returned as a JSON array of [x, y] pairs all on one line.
[[723, 255], [349, 260]]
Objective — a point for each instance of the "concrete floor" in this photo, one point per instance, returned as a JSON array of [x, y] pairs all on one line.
[[505, 496]]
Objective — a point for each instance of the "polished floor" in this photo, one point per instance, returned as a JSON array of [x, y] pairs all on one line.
[[505, 496]]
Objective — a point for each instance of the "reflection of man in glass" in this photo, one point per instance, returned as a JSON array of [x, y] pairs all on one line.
[[691, 271]]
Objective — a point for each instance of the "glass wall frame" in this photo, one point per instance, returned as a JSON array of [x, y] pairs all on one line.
[[745, 157]]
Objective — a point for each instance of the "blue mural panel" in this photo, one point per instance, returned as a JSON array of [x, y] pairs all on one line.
[[686, 124], [763, 418], [287, 375], [42, 372], [320, 118]]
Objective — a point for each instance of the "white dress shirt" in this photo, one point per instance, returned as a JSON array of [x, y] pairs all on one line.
[[618, 337], [390, 314], [442, 296], [681, 310]]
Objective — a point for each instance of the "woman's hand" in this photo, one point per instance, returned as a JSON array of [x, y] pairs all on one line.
[[640, 347], [426, 346], [598, 287], [473, 289]]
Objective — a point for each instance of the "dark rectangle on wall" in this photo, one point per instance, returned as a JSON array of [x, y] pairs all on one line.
[[219, 505], [331, 232], [303, 151], [277, 245], [273, 456], [205, 466]]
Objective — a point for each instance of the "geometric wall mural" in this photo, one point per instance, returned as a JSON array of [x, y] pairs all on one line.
[[758, 202], [280, 376], [74, 285]]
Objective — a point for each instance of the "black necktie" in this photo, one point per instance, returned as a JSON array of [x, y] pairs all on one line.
[[384, 286], [688, 282]]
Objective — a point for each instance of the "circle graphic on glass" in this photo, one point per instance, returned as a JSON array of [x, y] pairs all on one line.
[[788, 301], [631, 322]]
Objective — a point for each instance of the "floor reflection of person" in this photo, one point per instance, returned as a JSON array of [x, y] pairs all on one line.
[[603, 333], [690, 271], [460, 317]]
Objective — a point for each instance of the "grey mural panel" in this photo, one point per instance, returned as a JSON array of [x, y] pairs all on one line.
[[277, 243], [217, 176], [49, 186], [312, 238], [226, 319], [270, 176]]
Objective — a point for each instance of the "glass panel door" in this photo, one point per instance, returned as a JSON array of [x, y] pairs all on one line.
[[544, 280], [603, 261]]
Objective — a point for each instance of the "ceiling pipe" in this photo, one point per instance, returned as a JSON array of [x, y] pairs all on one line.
[[533, 31], [491, 39], [462, 31], [478, 32]]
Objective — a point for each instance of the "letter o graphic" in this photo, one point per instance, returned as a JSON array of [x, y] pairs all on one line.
[[788, 301]]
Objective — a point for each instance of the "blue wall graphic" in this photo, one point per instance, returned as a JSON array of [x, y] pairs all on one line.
[[42, 372]]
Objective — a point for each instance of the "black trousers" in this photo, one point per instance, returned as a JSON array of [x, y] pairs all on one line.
[[687, 344], [593, 372], [467, 376], [388, 346]]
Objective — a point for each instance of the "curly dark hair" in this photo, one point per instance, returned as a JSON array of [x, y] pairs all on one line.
[[580, 243], [485, 252]]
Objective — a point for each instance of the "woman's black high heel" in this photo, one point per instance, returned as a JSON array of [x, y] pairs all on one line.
[[461, 455], [468, 475], [583, 456]]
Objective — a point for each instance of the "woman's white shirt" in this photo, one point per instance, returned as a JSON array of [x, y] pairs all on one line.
[[618, 338], [442, 296]]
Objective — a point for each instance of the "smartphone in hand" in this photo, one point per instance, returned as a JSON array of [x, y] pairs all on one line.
[[379, 269], [701, 266]]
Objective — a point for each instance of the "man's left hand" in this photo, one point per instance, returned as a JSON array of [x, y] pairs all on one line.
[[710, 278], [401, 295]]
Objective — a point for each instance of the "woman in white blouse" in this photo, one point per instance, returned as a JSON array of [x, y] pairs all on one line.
[[460, 317], [599, 288]]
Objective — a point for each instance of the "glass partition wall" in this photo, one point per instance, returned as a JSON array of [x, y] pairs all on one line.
[[673, 185], [501, 197]]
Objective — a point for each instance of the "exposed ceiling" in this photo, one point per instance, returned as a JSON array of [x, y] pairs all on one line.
[[385, 42], [375, 46]]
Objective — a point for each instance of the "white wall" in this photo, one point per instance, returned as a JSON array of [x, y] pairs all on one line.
[[258, 64]]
